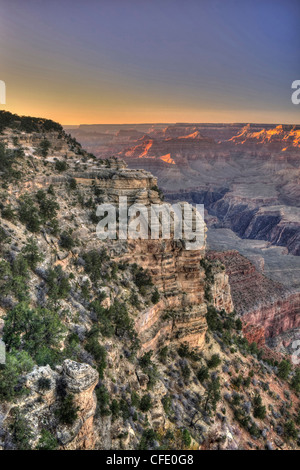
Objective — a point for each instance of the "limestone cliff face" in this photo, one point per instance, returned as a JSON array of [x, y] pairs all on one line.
[[180, 314], [40, 405], [80, 380]]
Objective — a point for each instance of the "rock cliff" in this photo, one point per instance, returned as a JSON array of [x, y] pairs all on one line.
[[267, 308], [116, 344], [45, 392]]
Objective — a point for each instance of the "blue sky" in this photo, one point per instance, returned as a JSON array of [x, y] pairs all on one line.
[[151, 60]]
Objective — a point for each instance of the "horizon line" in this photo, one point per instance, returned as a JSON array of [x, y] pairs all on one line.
[[157, 122], [180, 123]]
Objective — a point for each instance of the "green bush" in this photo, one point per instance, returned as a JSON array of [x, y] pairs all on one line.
[[32, 253], [101, 312], [284, 369], [149, 368], [17, 364], [97, 351], [212, 318], [3, 237], [145, 361], [19, 266], [259, 410], [290, 430], [146, 403], [11, 283], [66, 241], [202, 374], [32, 329], [44, 147], [209, 277], [86, 290], [124, 409], [147, 440], [58, 284], [47, 441], [115, 409], [186, 438], [186, 372], [72, 184], [44, 383], [141, 278], [134, 300], [238, 324], [295, 383], [124, 325], [184, 350], [104, 318], [167, 404], [67, 412], [163, 354], [102, 401], [61, 165], [50, 190], [135, 399], [214, 361], [8, 213], [20, 431], [48, 207], [213, 394], [29, 214], [155, 296], [237, 381], [94, 261], [9, 161]]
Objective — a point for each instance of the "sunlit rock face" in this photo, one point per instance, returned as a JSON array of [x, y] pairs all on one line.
[[180, 278], [180, 315], [281, 137]]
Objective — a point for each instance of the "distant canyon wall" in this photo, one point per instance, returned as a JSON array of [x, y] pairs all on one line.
[[267, 308]]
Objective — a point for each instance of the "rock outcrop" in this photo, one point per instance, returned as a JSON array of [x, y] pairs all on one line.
[[178, 275], [41, 403]]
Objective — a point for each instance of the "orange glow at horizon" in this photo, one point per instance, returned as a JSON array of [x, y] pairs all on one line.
[[68, 114]]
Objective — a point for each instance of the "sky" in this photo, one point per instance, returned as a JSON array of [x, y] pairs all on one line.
[[133, 61]]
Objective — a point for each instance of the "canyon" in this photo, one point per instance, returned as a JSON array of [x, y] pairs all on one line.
[[148, 339], [247, 177]]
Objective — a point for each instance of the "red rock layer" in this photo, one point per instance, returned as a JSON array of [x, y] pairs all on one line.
[[267, 307]]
